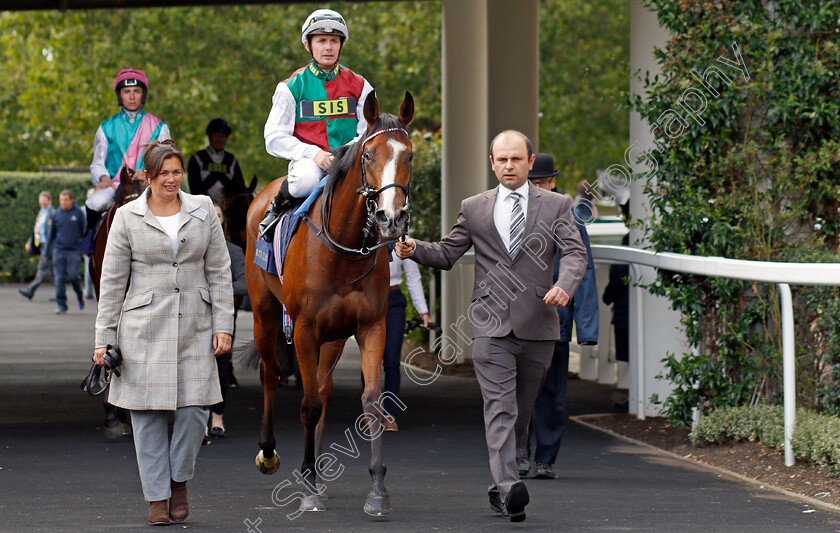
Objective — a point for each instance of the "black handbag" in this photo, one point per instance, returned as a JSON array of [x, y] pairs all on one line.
[[95, 382]]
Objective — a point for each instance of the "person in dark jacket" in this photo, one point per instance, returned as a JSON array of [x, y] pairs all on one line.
[[617, 293], [213, 171], [66, 232], [549, 419], [224, 361]]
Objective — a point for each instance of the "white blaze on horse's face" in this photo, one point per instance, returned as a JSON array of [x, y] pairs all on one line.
[[387, 217]]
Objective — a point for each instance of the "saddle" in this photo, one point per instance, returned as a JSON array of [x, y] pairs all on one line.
[[269, 256]]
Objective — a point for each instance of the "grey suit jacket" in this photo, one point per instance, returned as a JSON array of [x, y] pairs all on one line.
[[508, 291], [174, 305]]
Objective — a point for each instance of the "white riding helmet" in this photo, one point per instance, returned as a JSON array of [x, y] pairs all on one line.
[[324, 21]]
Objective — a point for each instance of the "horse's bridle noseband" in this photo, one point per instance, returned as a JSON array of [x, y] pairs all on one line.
[[371, 194]]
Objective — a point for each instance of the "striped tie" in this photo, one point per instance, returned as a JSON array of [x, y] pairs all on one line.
[[517, 223]]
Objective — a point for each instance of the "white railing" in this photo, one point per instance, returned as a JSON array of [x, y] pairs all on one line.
[[782, 274]]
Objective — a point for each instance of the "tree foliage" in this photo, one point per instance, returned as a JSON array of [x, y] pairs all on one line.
[[58, 71], [751, 174], [226, 61], [584, 71]]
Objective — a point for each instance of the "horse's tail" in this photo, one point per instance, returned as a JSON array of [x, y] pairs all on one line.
[[247, 356]]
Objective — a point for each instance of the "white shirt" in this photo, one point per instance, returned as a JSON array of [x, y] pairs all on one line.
[[412, 279], [503, 207], [170, 226]]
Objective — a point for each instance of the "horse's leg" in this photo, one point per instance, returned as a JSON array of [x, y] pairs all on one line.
[[268, 314], [310, 410], [372, 345], [330, 353]]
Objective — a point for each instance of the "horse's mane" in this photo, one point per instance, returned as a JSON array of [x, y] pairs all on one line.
[[346, 155]]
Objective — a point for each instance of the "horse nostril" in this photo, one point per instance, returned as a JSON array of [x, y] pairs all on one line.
[[382, 217], [401, 218]]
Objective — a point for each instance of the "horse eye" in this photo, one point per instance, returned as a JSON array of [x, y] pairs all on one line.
[[366, 157]]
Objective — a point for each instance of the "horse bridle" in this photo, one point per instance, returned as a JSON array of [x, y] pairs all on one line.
[[371, 194]]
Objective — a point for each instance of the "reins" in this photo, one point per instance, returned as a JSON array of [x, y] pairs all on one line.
[[371, 194]]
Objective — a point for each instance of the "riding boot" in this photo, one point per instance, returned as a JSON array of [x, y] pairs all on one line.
[[92, 218], [280, 203]]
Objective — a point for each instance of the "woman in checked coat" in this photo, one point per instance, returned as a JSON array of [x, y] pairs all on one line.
[[166, 300]]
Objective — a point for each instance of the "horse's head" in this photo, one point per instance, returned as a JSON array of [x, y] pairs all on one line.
[[132, 185], [386, 156]]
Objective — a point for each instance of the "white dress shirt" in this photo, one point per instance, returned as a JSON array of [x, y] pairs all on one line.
[[502, 209]]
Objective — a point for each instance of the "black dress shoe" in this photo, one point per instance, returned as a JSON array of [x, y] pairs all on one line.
[[516, 500], [544, 471], [497, 504]]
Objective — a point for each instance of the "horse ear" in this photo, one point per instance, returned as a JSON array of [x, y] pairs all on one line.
[[253, 185], [371, 108], [407, 109]]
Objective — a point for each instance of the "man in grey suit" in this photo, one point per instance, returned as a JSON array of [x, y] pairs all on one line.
[[516, 229]]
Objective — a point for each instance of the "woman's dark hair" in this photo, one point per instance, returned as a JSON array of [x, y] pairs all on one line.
[[224, 224], [156, 152]]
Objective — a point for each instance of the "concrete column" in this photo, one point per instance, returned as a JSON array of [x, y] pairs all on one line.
[[662, 330], [490, 63], [514, 68]]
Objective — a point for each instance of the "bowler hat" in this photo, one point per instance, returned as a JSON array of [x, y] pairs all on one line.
[[543, 167]]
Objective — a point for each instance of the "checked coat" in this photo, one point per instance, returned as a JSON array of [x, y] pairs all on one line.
[[165, 321]]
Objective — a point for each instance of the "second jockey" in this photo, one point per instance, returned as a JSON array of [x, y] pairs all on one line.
[[120, 139], [317, 109]]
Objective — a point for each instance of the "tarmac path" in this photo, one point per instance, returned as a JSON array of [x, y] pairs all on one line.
[[57, 473]]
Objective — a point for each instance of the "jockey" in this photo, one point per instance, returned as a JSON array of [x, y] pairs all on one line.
[[317, 109], [214, 171], [119, 141]]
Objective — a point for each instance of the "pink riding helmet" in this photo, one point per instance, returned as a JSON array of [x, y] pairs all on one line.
[[129, 77]]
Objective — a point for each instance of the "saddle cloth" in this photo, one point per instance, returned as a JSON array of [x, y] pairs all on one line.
[[270, 256]]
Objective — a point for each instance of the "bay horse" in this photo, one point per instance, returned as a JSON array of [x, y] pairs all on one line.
[[130, 188], [235, 209], [335, 284]]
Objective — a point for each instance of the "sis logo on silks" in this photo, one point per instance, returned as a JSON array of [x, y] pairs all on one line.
[[327, 108]]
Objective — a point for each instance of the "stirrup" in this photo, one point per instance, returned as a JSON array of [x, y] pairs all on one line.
[[266, 229]]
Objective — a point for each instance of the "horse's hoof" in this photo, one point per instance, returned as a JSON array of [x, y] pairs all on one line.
[[378, 505], [322, 490], [267, 466], [312, 502]]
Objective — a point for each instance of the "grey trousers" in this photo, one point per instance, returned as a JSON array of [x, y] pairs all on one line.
[[160, 460], [510, 372], [45, 271]]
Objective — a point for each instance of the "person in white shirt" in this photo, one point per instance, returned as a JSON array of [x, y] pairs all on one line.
[[395, 327]]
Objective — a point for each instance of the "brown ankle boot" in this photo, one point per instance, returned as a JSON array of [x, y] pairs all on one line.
[[159, 513], [179, 508]]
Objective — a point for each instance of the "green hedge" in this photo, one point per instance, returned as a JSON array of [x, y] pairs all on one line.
[[18, 209], [816, 438]]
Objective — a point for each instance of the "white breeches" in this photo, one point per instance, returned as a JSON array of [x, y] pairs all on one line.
[[101, 200], [304, 175]]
